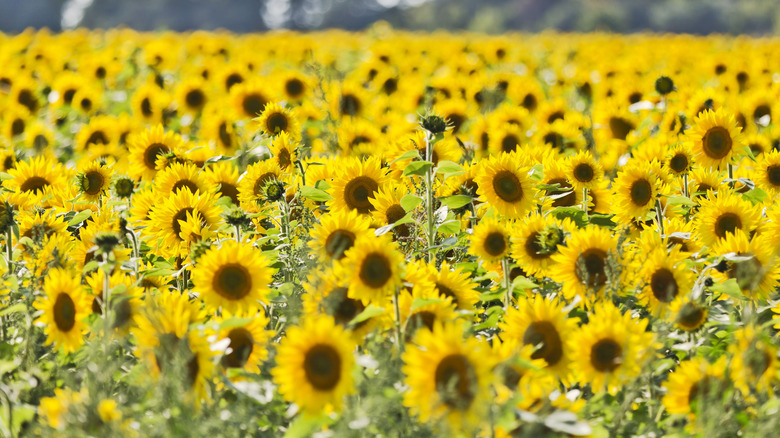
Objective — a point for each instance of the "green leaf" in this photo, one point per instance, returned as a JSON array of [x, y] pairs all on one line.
[[234, 322], [603, 220], [536, 173], [456, 201], [574, 213], [218, 158], [315, 195], [408, 155], [449, 168], [422, 302], [16, 308], [521, 282], [91, 266], [368, 313], [417, 168], [5, 176], [729, 287], [679, 200], [409, 202], [450, 227], [79, 217], [756, 196]]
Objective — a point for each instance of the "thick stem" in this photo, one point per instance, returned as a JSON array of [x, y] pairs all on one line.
[[9, 250], [585, 201], [659, 215], [429, 199], [685, 185], [731, 175], [237, 229], [10, 412], [399, 336]]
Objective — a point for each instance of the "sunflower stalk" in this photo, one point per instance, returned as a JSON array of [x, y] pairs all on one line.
[[585, 202], [685, 185], [507, 284], [429, 198], [659, 213], [399, 336], [9, 250], [10, 408]]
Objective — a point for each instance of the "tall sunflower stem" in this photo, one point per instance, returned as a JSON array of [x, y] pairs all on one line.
[[106, 301], [585, 201], [659, 215], [286, 232], [507, 284], [685, 185], [136, 254], [237, 229], [10, 407], [731, 175], [399, 336], [429, 198], [9, 250]]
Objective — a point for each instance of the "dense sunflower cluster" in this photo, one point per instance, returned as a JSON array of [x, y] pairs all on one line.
[[388, 234]]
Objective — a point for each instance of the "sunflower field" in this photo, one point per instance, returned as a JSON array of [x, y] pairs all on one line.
[[388, 234]]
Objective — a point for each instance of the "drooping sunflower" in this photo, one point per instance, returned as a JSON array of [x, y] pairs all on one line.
[[665, 277], [314, 365], [754, 361], [276, 119], [536, 240], [355, 183], [503, 182], [248, 339], [610, 349], [284, 151], [448, 377], [490, 241], [234, 276], [714, 138], [146, 147], [694, 384], [166, 219], [373, 266], [542, 323], [723, 214], [64, 305], [636, 189], [581, 265], [93, 180], [337, 232], [756, 271]]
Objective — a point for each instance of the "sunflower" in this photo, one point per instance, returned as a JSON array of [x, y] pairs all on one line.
[[695, 384], [714, 138], [448, 377], [166, 218], [767, 172], [536, 240], [217, 125], [248, 339], [125, 298], [355, 183], [636, 189], [93, 180], [295, 86], [178, 176], [687, 314], [388, 209], [192, 95], [284, 150], [100, 131], [33, 179], [276, 119], [542, 323], [326, 294], [584, 171], [724, 214], [373, 266], [679, 160], [504, 183], [756, 271], [664, 276], [64, 306], [147, 147], [415, 316], [149, 102], [314, 365], [234, 276], [249, 98], [490, 241], [564, 195], [337, 232], [611, 349], [251, 187], [455, 284], [754, 361], [225, 176], [581, 266]]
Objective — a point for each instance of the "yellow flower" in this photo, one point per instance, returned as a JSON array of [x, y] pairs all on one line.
[[108, 412], [636, 189], [373, 266], [581, 266], [355, 183], [276, 119], [337, 232], [314, 366], [723, 214], [64, 305], [490, 240], [715, 138], [504, 183], [694, 385], [234, 277], [147, 147]]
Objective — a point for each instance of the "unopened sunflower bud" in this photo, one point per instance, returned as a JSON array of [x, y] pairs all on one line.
[[106, 241], [124, 187], [434, 124], [6, 216], [237, 217], [664, 85], [274, 190]]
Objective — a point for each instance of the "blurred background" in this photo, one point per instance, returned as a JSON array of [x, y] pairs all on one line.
[[754, 17]]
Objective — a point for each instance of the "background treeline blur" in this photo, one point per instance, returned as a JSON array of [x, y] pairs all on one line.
[[755, 17]]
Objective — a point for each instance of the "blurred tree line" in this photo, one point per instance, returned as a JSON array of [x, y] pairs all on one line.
[[493, 16]]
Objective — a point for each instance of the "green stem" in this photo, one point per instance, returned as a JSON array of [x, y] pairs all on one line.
[[10, 412], [659, 213], [685, 185], [429, 199], [9, 250], [585, 202], [399, 336], [507, 284], [238, 233], [731, 175]]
